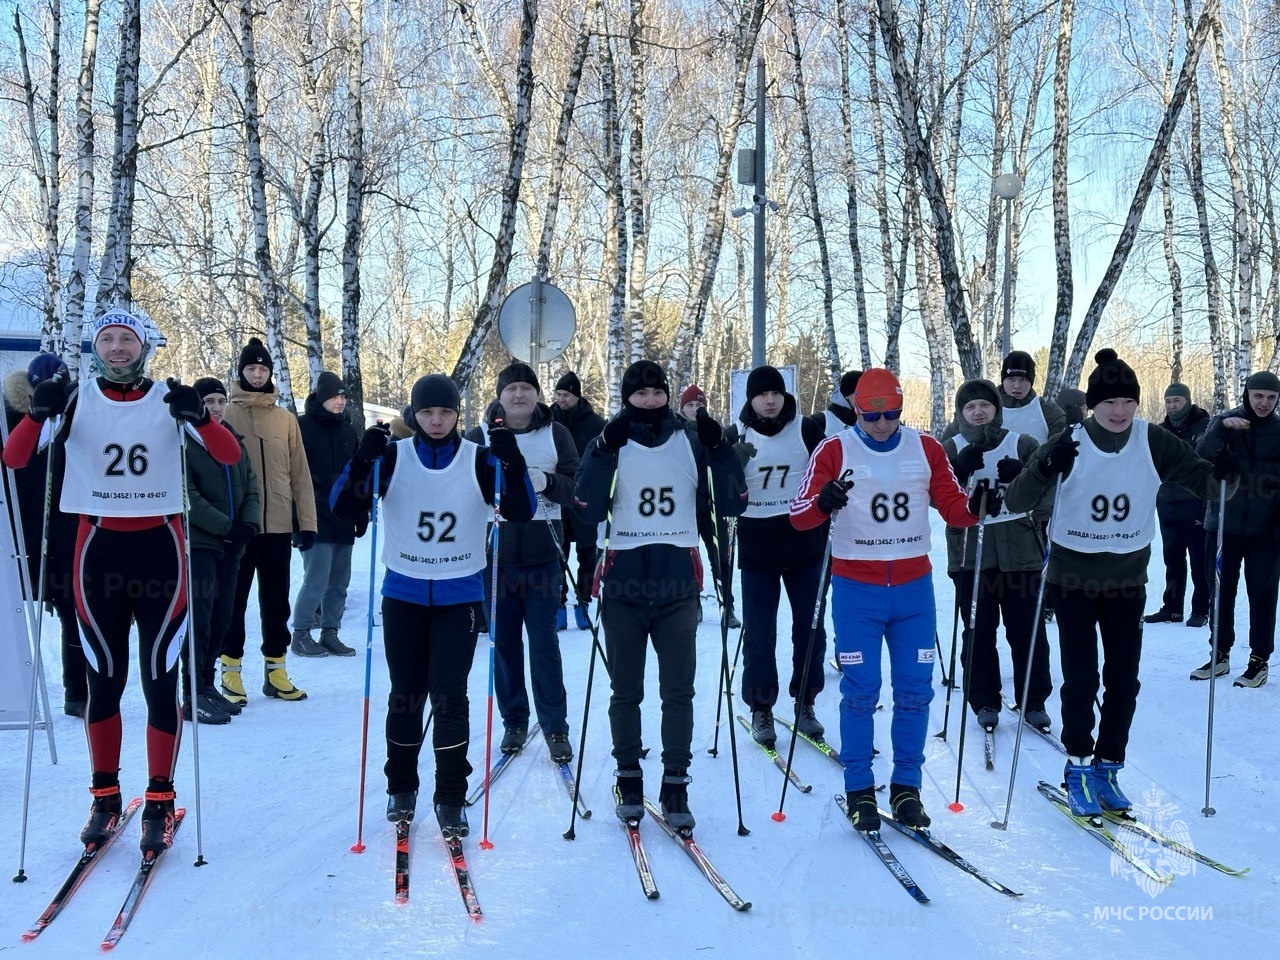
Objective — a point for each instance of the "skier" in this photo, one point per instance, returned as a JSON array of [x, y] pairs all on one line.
[[1252, 525], [839, 413], [776, 444], [1181, 516], [1101, 532], [574, 411], [881, 583], [123, 477], [1012, 553], [692, 399], [529, 575], [646, 479], [437, 492]]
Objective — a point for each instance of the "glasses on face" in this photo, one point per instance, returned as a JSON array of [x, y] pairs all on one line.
[[887, 414]]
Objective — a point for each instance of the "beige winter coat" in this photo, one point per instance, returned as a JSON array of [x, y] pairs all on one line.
[[274, 442]]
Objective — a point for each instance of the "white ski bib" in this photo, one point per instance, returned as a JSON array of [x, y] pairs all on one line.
[[834, 424], [655, 496], [1008, 447], [887, 517], [773, 474], [1107, 504], [122, 456], [435, 521], [1028, 419], [539, 450]]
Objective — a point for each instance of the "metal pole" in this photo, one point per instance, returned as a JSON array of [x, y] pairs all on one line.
[[759, 207], [1008, 269]]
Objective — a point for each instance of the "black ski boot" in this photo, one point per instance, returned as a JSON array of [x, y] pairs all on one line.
[[629, 792], [673, 800], [401, 804], [103, 816], [862, 810], [157, 817], [906, 806], [452, 818]]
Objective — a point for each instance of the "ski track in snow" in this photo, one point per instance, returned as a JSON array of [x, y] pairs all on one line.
[[278, 816]]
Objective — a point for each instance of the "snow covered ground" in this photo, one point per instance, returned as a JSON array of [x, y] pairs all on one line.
[[279, 791]]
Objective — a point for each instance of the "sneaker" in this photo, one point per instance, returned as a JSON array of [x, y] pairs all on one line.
[[628, 792], [808, 722], [329, 640], [222, 703], [513, 737], [74, 708], [1078, 779], [988, 717], [157, 818], [276, 682], [232, 682], [452, 818], [303, 646], [206, 711], [1106, 787], [1209, 669], [559, 747], [1198, 620], [401, 805], [1163, 615], [562, 619], [673, 800], [861, 807], [906, 806], [1255, 674], [1038, 719], [581, 616], [103, 816], [762, 728]]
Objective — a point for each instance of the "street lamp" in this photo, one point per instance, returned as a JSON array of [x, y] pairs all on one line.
[[1007, 187]]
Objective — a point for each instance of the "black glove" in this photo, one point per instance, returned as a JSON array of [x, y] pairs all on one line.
[[184, 403], [615, 433], [1061, 456], [239, 536], [50, 397], [993, 498], [1226, 466], [967, 461], [710, 433], [745, 452], [1007, 469], [304, 540], [502, 444], [362, 526], [374, 443], [834, 495]]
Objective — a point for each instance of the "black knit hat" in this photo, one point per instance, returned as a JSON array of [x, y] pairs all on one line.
[[1018, 364], [1178, 390], [435, 390], [328, 386], [641, 374], [1263, 380], [1112, 379], [517, 371], [976, 390], [763, 379], [207, 385], [1070, 400], [849, 383], [254, 352], [570, 384]]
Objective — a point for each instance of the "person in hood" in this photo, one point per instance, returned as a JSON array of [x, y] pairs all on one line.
[[274, 441], [839, 413], [574, 412], [1182, 521], [329, 440]]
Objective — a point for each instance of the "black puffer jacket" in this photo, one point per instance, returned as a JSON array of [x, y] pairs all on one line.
[[582, 422], [1254, 511], [330, 442], [1189, 431]]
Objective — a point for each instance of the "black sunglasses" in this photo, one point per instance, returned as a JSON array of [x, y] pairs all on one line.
[[888, 415]]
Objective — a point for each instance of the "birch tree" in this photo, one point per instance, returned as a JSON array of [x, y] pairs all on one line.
[[1061, 211], [842, 42], [616, 251], [351, 292], [115, 273], [1167, 238]]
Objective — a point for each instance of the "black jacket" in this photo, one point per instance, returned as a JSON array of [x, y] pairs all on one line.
[[1191, 430], [582, 422], [656, 573], [1254, 511], [218, 496], [330, 442]]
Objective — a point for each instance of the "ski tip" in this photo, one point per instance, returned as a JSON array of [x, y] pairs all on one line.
[[956, 807]]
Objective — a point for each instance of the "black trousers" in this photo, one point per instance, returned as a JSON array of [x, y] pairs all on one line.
[[582, 539], [1258, 557], [722, 559], [1011, 596], [429, 653], [1116, 614], [213, 590], [1182, 533], [267, 556]]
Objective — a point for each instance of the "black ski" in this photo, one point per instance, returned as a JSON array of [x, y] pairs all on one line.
[[1096, 827], [887, 856], [402, 861], [930, 842], [141, 880], [1045, 734], [88, 860], [499, 766], [571, 787], [778, 761], [462, 873], [690, 846], [989, 747]]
